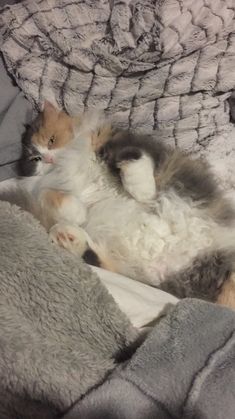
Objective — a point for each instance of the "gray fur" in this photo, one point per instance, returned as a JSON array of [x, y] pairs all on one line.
[[203, 278], [189, 178], [26, 165], [173, 169], [60, 331]]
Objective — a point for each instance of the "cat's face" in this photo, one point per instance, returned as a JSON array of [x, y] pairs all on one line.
[[44, 139], [49, 134]]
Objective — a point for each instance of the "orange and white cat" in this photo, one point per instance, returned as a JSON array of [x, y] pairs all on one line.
[[127, 203]]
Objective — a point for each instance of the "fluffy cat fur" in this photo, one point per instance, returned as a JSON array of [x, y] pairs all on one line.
[[127, 203]]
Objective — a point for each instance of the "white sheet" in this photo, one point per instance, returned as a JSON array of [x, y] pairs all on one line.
[[140, 302]]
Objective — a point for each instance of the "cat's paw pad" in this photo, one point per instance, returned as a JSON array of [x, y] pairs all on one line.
[[69, 237]]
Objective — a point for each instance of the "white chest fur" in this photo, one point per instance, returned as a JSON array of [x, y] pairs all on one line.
[[145, 243]]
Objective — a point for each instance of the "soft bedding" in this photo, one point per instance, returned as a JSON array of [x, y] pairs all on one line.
[[184, 370], [61, 332], [15, 111], [141, 303], [66, 349], [163, 66]]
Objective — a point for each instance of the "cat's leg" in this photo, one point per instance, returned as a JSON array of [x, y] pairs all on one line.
[[137, 174], [77, 241], [70, 237], [61, 206], [204, 278]]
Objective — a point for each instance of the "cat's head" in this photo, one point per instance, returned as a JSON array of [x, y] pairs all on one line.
[[44, 139]]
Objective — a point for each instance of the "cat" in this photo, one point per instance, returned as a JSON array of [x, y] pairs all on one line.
[[127, 203]]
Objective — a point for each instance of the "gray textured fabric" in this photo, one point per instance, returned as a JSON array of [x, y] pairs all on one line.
[[59, 327], [166, 65], [15, 111], [185, 369]]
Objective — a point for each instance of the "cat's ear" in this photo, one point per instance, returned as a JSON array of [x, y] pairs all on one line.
[[49, 108]]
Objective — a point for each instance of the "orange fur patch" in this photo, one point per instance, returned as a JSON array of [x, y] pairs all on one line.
[[59, 125], [56, 124], [104, 259], [227, 294], [107, 264], [51, 201], [55, 198]]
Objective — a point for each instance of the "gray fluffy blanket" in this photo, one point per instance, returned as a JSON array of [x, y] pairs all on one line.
[[62, 338], [60, 330], [165, 65], [184, 370]]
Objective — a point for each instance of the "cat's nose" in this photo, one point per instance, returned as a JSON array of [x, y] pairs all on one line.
[[48, 159]]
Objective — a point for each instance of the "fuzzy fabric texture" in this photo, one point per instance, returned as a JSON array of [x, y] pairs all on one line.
[[185, 369], [220, 153], [164, 65], [60, 330]]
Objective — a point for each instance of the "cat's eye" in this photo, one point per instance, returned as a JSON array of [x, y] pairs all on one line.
[[36, 158], [51, 141]]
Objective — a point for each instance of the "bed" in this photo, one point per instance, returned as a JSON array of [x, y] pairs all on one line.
[[76, 342]]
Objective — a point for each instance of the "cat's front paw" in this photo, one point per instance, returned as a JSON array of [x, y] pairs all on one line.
[[138, 178], [72, 238], [127, 154], [114, 155]]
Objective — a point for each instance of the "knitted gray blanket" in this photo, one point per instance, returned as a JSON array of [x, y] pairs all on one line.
[[165, 65]]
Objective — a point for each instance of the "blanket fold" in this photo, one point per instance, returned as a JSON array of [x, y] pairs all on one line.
[[60, 330], [185, 369], [66, 349]]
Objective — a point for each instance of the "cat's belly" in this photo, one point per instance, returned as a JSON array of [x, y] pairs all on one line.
[[149, 246]]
